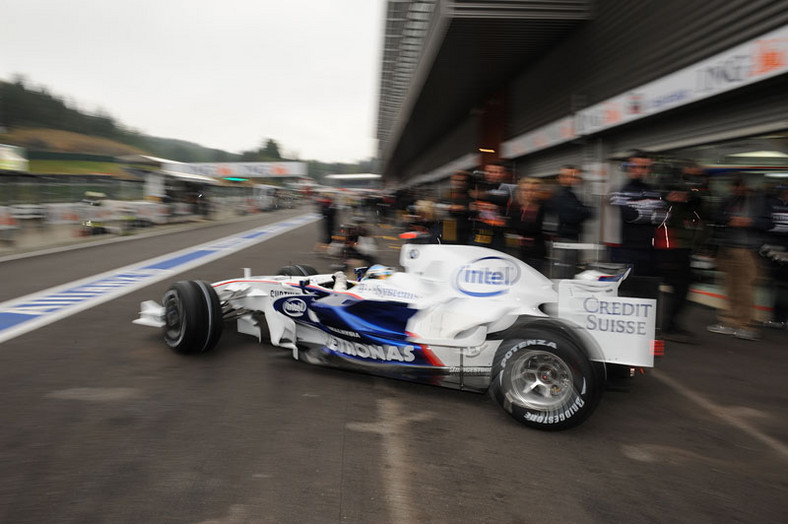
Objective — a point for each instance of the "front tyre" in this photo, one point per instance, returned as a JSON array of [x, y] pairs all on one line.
[[545, 381], [193, 317]]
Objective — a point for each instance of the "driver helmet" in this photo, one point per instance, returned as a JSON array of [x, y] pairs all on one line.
[[378, 272]]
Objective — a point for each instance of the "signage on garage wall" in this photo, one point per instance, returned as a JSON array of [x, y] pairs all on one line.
[[750, 62]]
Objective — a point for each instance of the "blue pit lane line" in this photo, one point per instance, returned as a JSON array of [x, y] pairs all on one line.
[[24, 314]]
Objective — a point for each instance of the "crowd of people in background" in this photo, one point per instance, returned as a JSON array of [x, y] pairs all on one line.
[[664, 223], [491, 209]]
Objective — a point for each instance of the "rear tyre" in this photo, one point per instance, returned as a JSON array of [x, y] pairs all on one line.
[[193, 317], [545, 380], [297, 270]]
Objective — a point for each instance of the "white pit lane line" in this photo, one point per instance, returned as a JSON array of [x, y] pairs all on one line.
[[24, 314], [723, 414], [397, 471]]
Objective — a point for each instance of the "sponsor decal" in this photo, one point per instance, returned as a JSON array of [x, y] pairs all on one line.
[[601, 315], [486, 277], [276, 293], [729, 70], [635, 103], [468, 371], [385, 353], [386, 292], [471, 352], [343, 332], [663, 102], [770, 55], [623, 326], [294, 307], [553, 417]]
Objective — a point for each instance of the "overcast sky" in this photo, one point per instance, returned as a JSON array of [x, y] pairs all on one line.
[[222, 74]]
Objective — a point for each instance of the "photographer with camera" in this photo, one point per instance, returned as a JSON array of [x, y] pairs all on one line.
[[680, 231], [457, 226], [492, 194]]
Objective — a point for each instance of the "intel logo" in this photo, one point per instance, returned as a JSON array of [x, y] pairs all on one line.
[[294, 307], [486, 277]]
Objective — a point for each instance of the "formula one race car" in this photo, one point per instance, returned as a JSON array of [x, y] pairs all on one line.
[[464, 317]]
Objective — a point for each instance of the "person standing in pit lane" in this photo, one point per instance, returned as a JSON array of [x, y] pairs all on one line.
[[745, 217], [328, 211], [526, 224], [570, 213], [457, 226], [491, 195], [642, 209], [674, 240]]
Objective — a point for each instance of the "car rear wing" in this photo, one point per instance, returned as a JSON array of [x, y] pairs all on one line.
[[624, 327]]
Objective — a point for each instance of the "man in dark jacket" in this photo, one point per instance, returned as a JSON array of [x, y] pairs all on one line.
[[569, 213], [675, 237], [642, 209], [569, 210]]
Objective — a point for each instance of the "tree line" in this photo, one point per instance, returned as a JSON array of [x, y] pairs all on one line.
[[22, 105]]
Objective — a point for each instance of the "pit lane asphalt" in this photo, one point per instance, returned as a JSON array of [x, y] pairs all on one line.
[[101, 423]]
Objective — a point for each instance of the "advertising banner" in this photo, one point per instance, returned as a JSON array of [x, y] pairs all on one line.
[[750, 62], [239, 169]]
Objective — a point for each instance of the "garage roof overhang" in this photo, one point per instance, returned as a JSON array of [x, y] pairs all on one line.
[[469, 51]]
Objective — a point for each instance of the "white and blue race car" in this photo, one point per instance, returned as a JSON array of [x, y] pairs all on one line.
[[464, 317]]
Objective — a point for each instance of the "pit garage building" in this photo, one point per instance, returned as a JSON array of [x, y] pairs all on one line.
[[543, 83]]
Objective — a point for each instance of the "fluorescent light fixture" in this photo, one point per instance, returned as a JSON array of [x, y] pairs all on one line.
[[761, 154]]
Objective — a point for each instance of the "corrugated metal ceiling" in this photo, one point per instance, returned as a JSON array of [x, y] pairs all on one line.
[[435, 70]]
